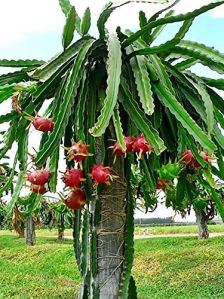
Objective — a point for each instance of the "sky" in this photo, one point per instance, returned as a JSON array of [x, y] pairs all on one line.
[[33, 29]]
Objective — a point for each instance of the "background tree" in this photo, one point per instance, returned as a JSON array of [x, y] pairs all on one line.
[[191, 196], [114, 87], [55, 215], [26, 219], [6, 186], [18, 221], [30, 233]]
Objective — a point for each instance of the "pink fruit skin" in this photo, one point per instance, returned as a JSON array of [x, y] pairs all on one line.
[[189, 158], [73, 177], [129, 140], [76, 200], [78, 151], [205, 156], [141, 145], [117, 149], [43, 124], [39, 177], [40, 189], [161, 184], [101, 174]]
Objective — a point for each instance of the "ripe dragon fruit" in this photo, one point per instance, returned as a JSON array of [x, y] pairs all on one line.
[[189, 159], [76, 200], [117, 149], [101, 174], [205, 156], [78, 151], [141, 146], [40, 189], [187, 156], [73, 177], [43, 124], [39, 177], [161, 184]]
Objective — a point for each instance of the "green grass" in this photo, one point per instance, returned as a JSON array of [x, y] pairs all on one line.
[[187, 229], [39, 232], [179, 268], [47, 270], [147, 230]]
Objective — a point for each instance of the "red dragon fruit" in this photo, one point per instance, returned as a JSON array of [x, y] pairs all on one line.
[[101, 174], [73, 177], [40, 189], [187, 156], [205, 156], [189, 159], [76, 200], [117, 149], [78, 151], [195, 164], [161, 184], [43, 124], [39, 177], [141, 146]]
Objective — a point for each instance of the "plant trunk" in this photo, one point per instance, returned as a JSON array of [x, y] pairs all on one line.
[[18, 222], [30, 231], [61, 227], [22, 232], [202, 224], [110, 228], [110, 235]]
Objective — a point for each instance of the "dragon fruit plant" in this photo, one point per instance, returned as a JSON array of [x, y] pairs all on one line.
[[117, 85]]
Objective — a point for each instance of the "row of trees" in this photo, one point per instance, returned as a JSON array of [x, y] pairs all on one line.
[[101, 89], [25, 220], [58, 216]]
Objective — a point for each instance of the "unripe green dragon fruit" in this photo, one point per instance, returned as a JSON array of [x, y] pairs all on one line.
[[169, 171]]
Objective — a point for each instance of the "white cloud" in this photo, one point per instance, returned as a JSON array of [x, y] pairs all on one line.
[[127, 16], [184, 6], [218, 12], [21, 18]]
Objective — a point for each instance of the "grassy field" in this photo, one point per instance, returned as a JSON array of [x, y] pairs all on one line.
[[187, 229], [148, 230], [179, 268]]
